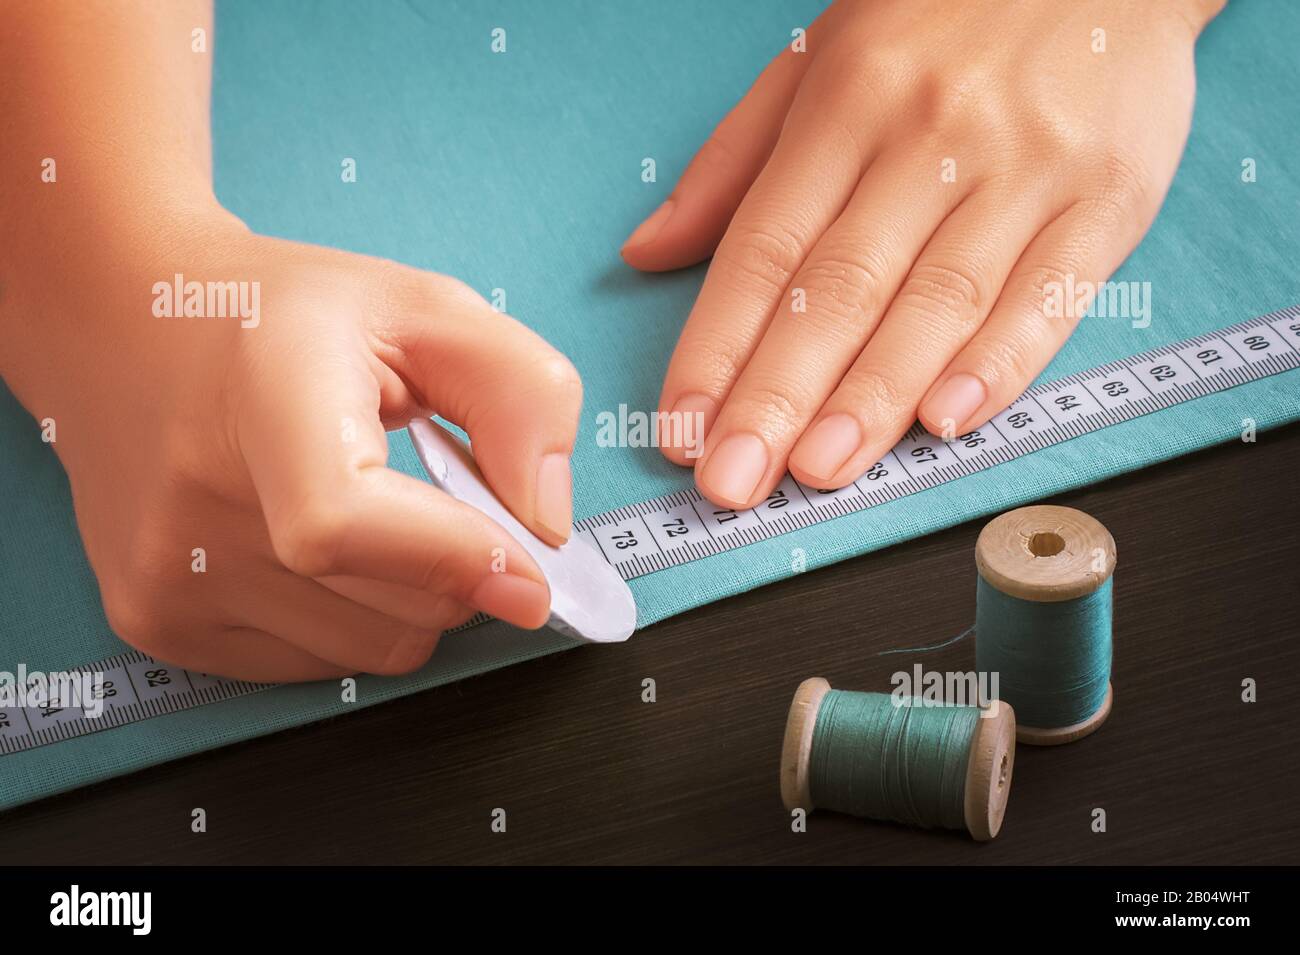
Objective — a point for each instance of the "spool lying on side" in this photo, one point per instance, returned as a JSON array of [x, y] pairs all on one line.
[[1044, 619], [990, 761]]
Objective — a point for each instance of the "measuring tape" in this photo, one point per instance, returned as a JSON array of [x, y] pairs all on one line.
[[679, 528]]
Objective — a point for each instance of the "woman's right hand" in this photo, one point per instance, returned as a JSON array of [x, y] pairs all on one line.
[[229, 474]]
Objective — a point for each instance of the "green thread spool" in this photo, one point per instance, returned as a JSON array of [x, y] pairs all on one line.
[[1043, 619], [862, 754]]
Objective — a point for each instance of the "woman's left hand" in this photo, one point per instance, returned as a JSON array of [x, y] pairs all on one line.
[[888, 209]]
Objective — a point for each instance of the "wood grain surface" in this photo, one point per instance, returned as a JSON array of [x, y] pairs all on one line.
[[1206, 596]]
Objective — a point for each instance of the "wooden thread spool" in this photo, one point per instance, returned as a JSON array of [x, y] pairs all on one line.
[[1047, 554], [988, 769]]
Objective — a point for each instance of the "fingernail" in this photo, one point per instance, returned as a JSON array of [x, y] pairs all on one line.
[[955, 401], [648, 229], [735, 467], [514, 599], [824, 449], [554, 506], [692, 416]]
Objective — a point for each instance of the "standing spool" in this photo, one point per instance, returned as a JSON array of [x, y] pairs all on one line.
[[862, 754], [1043, 619]]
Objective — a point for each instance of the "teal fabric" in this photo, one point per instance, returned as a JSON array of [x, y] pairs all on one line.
[[522, 171]]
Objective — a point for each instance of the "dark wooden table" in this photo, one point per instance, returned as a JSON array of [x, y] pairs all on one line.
[[1206, 597]]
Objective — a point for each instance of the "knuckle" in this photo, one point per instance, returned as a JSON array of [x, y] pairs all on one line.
[[139, 619], [308, 541], [558, 376], [1041, 290], [766, 255], [401, 290], [147, 580], [1124, 191], [843, 286], [951, 292], [448, 570], [546, 389], [1039, 278], [1050, 129], [965, 101], [450, 290], [395, 291]]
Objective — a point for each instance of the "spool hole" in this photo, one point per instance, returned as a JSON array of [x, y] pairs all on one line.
[[1046, 544], [1002, 771]]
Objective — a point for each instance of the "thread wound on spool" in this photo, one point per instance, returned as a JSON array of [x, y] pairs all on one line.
[[873, 756], [1043, 618], [1052, 659]]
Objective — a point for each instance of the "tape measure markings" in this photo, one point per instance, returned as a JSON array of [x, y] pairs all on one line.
[[135, 687], [1048, 414], [683, 526]]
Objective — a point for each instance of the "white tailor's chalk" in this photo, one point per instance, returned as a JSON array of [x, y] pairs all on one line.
[[589, 600]]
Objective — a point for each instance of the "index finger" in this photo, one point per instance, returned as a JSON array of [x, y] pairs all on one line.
[[317, 455], [806, 183]]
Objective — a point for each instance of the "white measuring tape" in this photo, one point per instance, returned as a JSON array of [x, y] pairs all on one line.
[[679, 528]]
